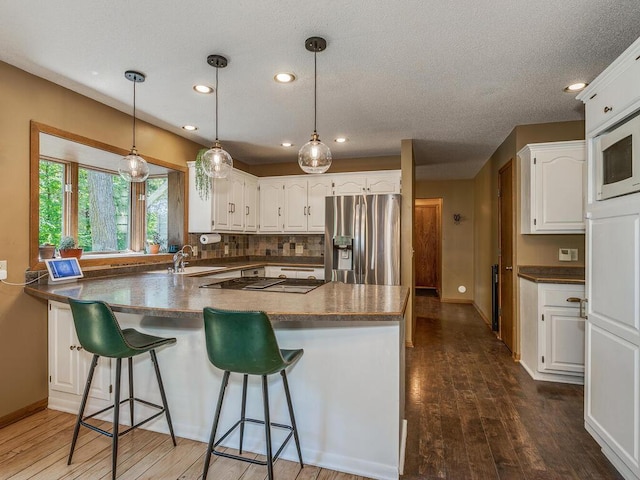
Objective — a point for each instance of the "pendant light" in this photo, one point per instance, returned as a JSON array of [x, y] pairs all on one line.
[[216, 162], [134, 168], [315, 156]]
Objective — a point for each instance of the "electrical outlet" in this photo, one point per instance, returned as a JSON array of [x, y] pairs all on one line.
[[3, 269], [226, 249], [299, 248], [564, 255], [194, 250]]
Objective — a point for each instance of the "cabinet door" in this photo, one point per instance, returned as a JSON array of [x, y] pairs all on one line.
[[236, 203], [221, 203], [250, 205], [295, 205], [384, 183], [200, 210], [349, 184], [563, 341], [558, 190], [271, 194], [317, 190]]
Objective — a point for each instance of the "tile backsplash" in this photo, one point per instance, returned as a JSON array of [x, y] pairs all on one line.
[[240, 245]]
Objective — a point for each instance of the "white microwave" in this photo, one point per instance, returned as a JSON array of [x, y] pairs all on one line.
[[617, 156]]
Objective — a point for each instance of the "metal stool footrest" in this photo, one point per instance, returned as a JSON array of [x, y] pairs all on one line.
[[250, 460], [160, 408]]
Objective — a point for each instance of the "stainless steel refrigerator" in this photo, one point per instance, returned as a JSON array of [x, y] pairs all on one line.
[[362, 239]]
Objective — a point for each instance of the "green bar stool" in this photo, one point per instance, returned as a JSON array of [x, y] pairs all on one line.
[[99, 333], [244, 342]]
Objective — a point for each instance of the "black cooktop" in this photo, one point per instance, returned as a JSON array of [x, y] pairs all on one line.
[[283, 285]]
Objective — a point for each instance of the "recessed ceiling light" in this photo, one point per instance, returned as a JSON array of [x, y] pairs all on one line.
[[340, 140], [190, 128], [575, 87], [203, 88], [284, 77], [286, 144]]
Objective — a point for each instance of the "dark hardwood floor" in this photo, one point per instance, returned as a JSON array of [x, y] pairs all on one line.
[[474, 413]]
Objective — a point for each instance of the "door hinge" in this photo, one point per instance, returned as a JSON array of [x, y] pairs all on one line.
[[542, 358], [499, 311], [543, 317], [499, 193]]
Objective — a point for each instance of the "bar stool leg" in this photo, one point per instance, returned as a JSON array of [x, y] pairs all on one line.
[[207, 458], [154, 359], [293, 419], [131, 395], [83, 404], [267, 426], [116, 420], [244, 408]]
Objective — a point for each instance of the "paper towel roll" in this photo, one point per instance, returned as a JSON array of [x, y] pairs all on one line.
[[211, 238]]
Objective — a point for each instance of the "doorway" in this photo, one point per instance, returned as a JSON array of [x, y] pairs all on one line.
[[428, 244], [505, 258]]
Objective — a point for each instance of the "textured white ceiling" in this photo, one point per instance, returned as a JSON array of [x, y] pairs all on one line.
[[455, 76]]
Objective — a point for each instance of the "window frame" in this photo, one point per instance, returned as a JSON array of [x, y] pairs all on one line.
[[138, 208]]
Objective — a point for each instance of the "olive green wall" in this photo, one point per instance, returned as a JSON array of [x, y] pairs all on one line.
[[23, 319], [337, 166], [457, 239]]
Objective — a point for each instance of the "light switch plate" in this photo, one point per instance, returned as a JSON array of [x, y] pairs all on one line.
[[299, 248], [226, 249], [3, 269]]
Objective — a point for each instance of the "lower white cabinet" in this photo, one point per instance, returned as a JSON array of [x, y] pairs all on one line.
[[314, 273], [552, 337], [69, 363]]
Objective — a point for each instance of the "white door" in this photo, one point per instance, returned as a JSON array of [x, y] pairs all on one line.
[[295, 205], [558, 190], [271, 195], [563, 340], [236, 203], [349, 184], [221, 203], [200, 210], [318, 189], [383, 183], [250, 205]]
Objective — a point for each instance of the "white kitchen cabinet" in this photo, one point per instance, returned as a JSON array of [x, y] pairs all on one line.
[[367, 182], [232, 206], [552, 331], [314, 273], [552, 186], [304, 203], [69, 363], [271, 205], [612, 353]]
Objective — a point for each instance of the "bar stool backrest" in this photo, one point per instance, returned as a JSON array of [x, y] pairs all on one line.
[[98, 330], [242, 342]]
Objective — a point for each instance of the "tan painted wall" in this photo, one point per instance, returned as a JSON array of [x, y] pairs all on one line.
[[457, 240], [23, 319], [407, 262], [337, 166], [528, 249]]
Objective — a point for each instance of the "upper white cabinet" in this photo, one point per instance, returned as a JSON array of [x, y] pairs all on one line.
[[304, 203], [271, 205], [367, 182], [232, 206], [552, 186]]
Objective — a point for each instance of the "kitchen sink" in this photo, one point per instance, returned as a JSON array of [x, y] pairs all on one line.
[[195, 270]]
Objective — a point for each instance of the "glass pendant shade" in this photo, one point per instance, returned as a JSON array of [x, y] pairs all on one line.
[[216, 162], [314, 156], [133, 168]]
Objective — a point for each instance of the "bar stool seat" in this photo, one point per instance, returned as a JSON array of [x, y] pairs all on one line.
[[245, 343], [100, 334]]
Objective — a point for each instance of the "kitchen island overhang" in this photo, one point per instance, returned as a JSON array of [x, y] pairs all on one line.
[[348, 389]]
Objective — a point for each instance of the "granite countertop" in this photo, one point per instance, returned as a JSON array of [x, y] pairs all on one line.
[[179, 296], [549, 274]]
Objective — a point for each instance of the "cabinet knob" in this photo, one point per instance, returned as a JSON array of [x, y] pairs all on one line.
[[247, 207], [574, 300], [608, 109], [305, 211], [309, 210], [72, 347]]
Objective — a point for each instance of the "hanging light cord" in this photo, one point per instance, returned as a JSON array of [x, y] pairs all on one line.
[[315, 90], [217, 103], [134, 115]]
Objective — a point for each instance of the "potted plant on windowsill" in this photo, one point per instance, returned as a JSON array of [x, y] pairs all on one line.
[[154, 243], [68, 248]]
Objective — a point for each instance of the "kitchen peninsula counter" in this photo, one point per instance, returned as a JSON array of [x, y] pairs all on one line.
[[348, 388]]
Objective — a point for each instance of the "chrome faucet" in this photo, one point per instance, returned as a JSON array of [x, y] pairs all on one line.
[[179, 257]]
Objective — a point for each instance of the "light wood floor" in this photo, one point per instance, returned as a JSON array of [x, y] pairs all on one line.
[[473, 413]]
